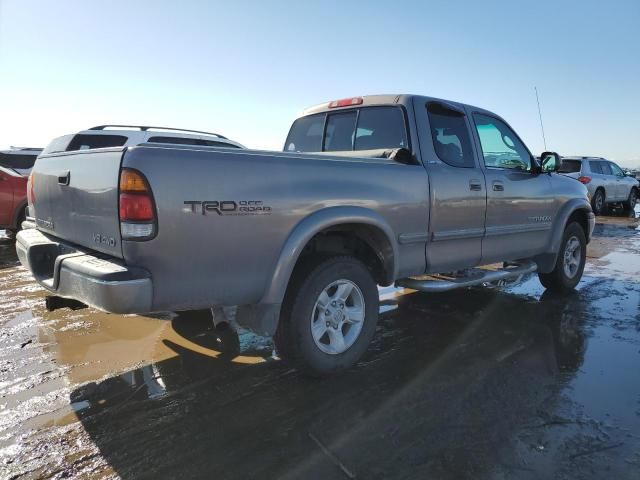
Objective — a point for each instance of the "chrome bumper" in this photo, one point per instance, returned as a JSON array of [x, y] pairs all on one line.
[[97, 280]]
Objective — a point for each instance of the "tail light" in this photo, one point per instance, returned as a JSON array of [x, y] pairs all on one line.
[[138, 219], [346, 102], [31, 196], [584, 179]]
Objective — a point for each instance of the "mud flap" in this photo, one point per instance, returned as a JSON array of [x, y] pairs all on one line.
[[261, 319]]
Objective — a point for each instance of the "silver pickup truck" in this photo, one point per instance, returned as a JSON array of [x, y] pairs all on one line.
[[369, 191]]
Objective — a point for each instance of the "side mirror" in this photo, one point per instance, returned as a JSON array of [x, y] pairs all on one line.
[[550, 162]]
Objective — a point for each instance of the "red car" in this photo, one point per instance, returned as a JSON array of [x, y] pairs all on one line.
[[15, 166]]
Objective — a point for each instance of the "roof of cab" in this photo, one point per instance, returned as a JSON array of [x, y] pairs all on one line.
[[390, 99]]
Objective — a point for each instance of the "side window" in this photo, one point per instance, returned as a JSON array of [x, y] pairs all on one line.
[[190, 141], [595, 167], [450, 135], [340, 129], [501, 148], [606, 168], [306, 134], [87, 141], [617, 171]]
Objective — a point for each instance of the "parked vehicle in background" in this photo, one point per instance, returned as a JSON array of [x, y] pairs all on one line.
[[370, 191], [105, 136], [633, 173], [15, 165], [605, 181]]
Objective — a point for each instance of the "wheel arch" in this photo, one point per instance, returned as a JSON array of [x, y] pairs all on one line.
[[17, 212], [365, 230], [578, 210]]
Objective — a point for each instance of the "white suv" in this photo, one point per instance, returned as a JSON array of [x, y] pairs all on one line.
[[605, 181], [129, 135]]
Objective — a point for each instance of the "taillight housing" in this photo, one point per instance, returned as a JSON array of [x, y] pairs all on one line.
[[31, 196], [138, 219], [584, 179]]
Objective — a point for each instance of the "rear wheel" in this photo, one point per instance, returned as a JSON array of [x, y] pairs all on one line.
[[630, 204], [570, 262], [329, 316], [22, 216], [599, 202]]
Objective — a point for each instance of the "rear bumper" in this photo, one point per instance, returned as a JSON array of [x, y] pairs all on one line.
[[97, 280]]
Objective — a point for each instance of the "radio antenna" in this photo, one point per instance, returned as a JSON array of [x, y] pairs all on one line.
[[544, 140]]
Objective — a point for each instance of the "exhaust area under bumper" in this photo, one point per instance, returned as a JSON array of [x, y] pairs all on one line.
[[91, 278]]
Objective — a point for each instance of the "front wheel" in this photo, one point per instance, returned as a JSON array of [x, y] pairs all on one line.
[[570, 262], [329, 316], [630, 204]]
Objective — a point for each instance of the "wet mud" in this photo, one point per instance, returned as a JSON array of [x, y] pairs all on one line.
[[503, 382]]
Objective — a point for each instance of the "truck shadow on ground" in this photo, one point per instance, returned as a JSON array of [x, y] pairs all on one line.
[[442, 392]]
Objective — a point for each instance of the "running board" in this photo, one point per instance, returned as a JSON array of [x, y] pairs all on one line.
[[511, 271]]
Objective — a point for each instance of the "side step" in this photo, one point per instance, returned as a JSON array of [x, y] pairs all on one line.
[[431, 285]]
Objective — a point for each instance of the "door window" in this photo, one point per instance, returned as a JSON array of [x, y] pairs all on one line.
[[450, 135], [501, 147], [595, 167], [617, 171], [606, 168]]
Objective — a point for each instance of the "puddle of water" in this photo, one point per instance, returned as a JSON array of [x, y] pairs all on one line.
[[608, 385]]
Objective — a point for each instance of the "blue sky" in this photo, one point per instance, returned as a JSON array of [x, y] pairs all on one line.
[[247, 68]]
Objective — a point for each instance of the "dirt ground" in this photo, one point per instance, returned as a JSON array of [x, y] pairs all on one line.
[[485, 383]]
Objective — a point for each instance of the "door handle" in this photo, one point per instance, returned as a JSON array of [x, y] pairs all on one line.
[[498, 187], [64, 178], [475, 185]]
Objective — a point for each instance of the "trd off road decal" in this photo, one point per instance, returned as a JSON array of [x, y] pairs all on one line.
[[227, 207]]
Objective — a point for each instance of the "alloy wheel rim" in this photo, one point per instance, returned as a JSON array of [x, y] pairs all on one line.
[[337, 317], [599, 201], [572, 257]]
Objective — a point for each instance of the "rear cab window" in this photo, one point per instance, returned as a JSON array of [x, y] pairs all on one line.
[[361, 129]]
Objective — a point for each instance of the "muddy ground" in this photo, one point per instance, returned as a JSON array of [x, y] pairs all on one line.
[[495, 383]]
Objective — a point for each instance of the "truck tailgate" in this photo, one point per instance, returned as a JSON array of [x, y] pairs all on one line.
[[75, 198]]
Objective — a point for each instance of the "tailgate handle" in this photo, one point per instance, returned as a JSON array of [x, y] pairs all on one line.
[[64, 178]]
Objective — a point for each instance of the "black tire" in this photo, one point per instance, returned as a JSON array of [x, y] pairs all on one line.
[[22, 216], [599, 202], [558, 280], [294, 339], [630, 204]]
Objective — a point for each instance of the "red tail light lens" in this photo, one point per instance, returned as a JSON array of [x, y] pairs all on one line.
[[346, 102], [137, 210], [31, 197], [584, 179]]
